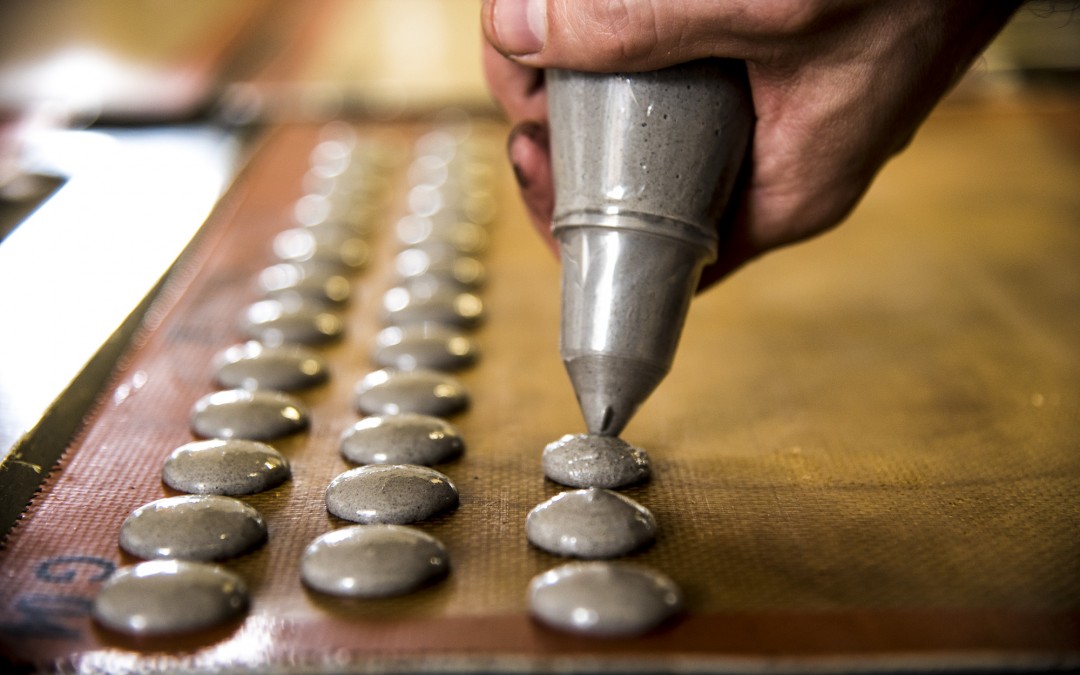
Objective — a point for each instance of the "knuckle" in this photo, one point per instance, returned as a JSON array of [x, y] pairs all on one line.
[[623, 33], [790, 17]]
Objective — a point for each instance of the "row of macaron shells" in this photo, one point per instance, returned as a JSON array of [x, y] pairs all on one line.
[[428, 315], [602, 595]]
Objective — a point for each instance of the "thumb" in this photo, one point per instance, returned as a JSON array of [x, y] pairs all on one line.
[[610, 35]]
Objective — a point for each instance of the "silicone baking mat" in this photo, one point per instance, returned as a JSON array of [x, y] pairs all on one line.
[[850, 473]]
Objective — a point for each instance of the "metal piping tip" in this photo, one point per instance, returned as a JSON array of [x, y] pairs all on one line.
[[625, 297], [610, 389]]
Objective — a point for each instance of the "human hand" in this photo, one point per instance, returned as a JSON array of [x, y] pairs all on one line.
[[838, 88]]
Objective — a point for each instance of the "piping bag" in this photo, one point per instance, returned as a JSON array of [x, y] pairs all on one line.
[[643, 166]]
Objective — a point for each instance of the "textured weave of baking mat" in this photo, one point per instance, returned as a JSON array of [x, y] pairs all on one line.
[[865, 456]]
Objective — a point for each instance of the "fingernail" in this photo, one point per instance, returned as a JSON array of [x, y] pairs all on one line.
[[519, 176], [521, 25], [536, 134], [534, 131], [522, 129]]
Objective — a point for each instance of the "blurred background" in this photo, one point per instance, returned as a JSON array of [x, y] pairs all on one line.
[[73, 64]]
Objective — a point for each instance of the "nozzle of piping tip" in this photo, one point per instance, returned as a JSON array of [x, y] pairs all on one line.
[[610, 389]]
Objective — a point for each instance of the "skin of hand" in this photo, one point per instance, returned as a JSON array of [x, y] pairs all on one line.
[[838, 86]]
